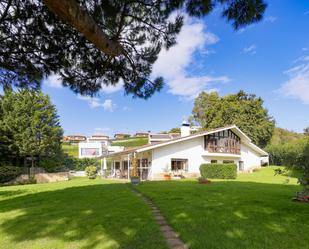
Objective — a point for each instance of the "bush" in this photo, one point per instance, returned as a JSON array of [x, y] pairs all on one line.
[[217, 170], [8, 173], [91, 172]]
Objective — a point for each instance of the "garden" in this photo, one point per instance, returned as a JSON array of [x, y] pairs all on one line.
[[252, 211]]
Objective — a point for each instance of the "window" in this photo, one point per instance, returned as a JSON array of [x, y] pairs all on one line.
[[222, 142], [228, 161], [179, 164], [213, 161], [90, 151]]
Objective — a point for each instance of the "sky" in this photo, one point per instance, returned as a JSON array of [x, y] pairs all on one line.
[[269, 59]]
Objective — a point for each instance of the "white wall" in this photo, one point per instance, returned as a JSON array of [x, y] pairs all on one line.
[[192, 150], [251, 158], [89, 145]]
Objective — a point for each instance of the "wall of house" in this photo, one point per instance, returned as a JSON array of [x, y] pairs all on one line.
[[193, 150], [190, 149], [250, 157]]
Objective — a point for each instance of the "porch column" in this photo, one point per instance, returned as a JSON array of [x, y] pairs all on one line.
[[101, 167], [140, 168], [128, 166]]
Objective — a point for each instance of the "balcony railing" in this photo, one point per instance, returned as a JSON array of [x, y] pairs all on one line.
[[223, 149]]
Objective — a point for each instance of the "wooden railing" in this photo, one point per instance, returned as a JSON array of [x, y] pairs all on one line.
[[223, 149]]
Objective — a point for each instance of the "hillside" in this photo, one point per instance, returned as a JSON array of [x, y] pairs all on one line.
[[283, 136], [131, 142], [70, 149]]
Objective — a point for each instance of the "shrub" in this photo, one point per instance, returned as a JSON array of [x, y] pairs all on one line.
[[8, 173], [217, 170], [91, 172]]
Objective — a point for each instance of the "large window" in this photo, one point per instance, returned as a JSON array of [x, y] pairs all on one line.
[[90, 151], [179, 164], [222, 142]]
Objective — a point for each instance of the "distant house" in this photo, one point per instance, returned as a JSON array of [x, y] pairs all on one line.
[[74, 138], [99, 138], [121, 136], [141, 134], [183, 155], [96, 149], [158, 138]]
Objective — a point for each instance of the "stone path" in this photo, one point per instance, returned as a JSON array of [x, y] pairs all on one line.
[[172, 239]]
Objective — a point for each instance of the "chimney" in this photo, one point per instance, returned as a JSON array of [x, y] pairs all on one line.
[[185, 129]]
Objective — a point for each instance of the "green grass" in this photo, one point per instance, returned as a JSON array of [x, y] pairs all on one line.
[[76, 214], [131, 142], [254, 211], [70, 149]]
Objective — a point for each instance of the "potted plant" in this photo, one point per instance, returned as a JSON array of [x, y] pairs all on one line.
[[203, 180], [134, 178], [167, 173]]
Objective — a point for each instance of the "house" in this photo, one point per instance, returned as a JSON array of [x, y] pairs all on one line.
[[141, 134], [121, 135], [183, 155], [96, 149], [161, 137], [99, 138], [74, 138]]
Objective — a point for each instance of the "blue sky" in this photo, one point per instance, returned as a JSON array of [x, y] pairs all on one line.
[[269, 59]]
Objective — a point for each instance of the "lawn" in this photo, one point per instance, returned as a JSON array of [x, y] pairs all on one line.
[[76, 214], [254, 211], [131, 142]]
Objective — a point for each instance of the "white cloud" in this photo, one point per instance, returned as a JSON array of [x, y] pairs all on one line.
[[172, 64], [305, 49], [298, 84], [53, 80], [270, 19], [108, 89], [94, 102], [250, 49]]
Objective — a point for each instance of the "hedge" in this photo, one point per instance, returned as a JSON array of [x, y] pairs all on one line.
[[8, 173], [218, 170]]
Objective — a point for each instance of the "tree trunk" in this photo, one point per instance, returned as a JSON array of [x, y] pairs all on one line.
[[72, 13]]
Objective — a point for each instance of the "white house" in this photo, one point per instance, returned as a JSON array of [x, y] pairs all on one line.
[[184, 155], [96, 149]]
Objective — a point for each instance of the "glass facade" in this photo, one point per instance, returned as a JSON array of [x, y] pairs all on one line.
[[90, 151]]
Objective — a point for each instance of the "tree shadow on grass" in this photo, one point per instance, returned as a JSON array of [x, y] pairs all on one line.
[[93, 216], [232, 214]]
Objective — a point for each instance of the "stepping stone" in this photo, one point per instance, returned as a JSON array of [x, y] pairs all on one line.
[[170, 236]]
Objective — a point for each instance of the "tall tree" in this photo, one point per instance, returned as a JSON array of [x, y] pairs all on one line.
[[31, 124], [242, 109], [91, 43], [306, 131]]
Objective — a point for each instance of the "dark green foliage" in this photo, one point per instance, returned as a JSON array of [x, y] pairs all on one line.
[[218, 170], [8, 173], [294, 155], [306, 131], [30, 127], [34, 43], [242, 109]]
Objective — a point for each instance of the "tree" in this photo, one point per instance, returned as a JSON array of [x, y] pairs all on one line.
[[175, 130], [31, 124], [91, 43], [242, 109], [306, 131]]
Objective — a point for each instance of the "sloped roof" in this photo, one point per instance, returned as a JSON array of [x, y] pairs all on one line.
[[234, 128]]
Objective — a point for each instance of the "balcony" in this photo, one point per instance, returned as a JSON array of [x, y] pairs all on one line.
[[223, 149]]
